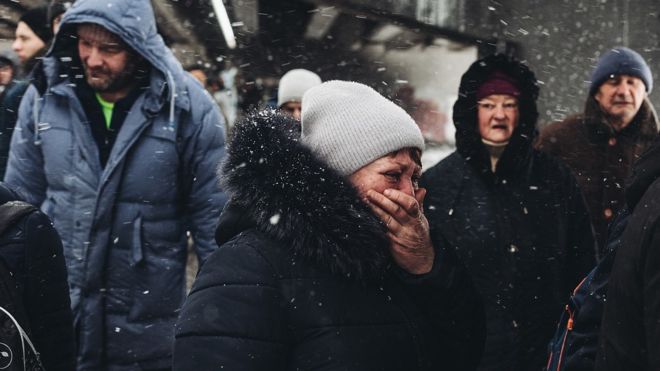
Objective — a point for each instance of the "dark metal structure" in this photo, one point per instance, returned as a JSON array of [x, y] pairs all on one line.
[[561, 40]]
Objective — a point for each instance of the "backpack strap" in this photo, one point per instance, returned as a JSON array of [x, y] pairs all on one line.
[[11, 212], [24, 339]]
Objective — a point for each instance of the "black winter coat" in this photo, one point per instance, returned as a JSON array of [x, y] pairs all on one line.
[[630, 330], [303, 279], [31, 250], [523, 231]]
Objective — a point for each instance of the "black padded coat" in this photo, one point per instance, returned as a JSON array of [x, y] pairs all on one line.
[[303, 280], [523, 231], [630, 330]]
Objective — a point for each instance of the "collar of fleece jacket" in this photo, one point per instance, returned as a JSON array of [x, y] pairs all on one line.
[[279, 187], [468, 139]]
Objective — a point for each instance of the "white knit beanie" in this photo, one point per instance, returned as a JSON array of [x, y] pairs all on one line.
[[294, 84], [350, 125]]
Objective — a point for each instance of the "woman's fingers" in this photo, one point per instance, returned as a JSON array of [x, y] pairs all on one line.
[[390, 221], [396, 203]]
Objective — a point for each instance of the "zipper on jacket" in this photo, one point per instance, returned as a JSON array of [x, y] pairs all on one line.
[[569, 327]]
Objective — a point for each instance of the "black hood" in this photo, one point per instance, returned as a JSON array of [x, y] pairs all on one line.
[[279, 187], [468, 139], [645, 171]]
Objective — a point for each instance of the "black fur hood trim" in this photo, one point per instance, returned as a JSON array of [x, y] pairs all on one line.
[[284, 191], [468, 139]]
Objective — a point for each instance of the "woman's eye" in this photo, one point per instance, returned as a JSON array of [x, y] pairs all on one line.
[[393, 176]]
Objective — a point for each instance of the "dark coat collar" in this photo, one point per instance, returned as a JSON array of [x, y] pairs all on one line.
[[279, 187]]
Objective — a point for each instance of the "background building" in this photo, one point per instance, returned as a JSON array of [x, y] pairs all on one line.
[[411, 50]]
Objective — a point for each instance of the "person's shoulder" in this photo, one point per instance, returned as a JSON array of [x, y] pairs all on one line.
[[550, 167], [449, 165], [250, 256], [15, 92], [650, 201], [563, 128], [555, 136], [443, 180], [200, 99]]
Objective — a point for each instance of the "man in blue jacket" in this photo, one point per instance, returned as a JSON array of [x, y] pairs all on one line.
[[118, 145]]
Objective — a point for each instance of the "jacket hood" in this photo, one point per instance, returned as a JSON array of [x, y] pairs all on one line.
[[468, 139], [133, 21], [645, 171], [282, 189]]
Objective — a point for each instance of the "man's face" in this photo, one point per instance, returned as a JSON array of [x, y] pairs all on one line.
[[27, 44], [108, 62], [293, 109], [6, 74], [620, 97]]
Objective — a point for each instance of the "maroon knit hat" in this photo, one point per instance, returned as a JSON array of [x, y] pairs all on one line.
[[498, 83]]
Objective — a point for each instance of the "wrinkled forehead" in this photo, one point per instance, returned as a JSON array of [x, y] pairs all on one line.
[[94, 33]]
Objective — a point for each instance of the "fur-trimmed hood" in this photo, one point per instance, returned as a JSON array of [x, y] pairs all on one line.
[[279, 187], [468, 139]]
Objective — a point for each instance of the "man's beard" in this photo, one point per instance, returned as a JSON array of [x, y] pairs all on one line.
[[109, 82]]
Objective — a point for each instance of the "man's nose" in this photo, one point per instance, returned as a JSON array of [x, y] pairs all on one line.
[[622, 89], [94, 58], [16, 45]]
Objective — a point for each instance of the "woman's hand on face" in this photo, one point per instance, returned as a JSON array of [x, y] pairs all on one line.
[[408, 228]]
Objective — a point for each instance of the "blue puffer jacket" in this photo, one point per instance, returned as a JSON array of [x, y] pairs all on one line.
[[123, 226]]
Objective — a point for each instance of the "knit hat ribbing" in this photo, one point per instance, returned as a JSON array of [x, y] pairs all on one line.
[[294, 84], [498, 83], [37, 20], [349, 125], [620, 61]]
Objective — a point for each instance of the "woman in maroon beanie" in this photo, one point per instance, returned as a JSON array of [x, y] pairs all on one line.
[[515, 216]]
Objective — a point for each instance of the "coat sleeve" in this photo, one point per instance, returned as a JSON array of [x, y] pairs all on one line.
[[25, 166], [205, 199], [581, 249], [233, 318], [630, 331], [47, 294], [449, 300]]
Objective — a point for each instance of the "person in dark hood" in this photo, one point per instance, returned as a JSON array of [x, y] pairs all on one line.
[[515, 216], [601, 144], [118, 145], [33, 35], [325, 259], [630, 335]]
